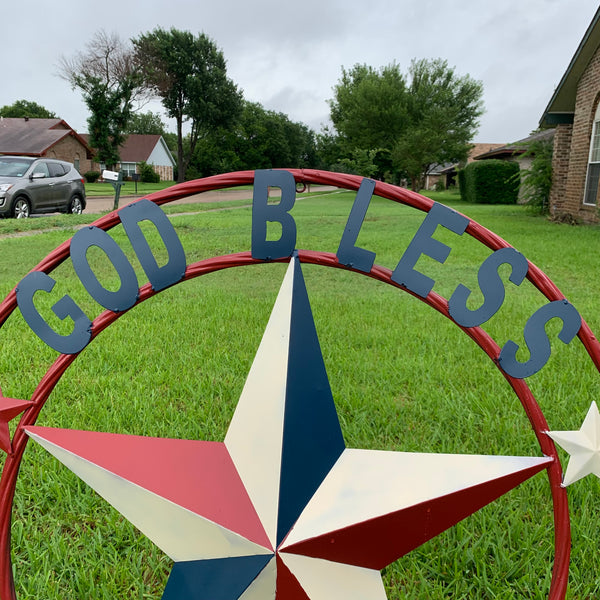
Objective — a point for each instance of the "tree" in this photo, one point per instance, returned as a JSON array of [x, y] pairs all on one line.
[[26, 108], [443, 114], [188, 73], [428, 118], [106, 76], [369, 110], [147, 123], [259, 139]]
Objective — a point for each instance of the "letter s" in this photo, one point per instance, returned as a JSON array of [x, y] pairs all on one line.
[[491, 287], [536, 339]]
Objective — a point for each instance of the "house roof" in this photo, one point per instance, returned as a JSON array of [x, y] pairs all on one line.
[[476, 150], [561, 107], [34, 137], [139, 147], [516, 148], [479, 149]]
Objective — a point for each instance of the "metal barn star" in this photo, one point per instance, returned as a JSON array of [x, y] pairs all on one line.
[[282, 509], [583, 446]]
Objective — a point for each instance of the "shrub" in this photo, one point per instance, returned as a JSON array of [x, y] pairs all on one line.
[[148, 174], [490, 182], [536, 181], [91, 176]]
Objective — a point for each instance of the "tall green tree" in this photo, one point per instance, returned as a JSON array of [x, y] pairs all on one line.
[[368, 109], [146, 123], [413, 122], [443, 116], [188, 73], [260, 139], [26, 108], [106, 76]]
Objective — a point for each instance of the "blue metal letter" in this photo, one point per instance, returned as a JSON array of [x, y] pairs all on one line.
[[491, 286], [404, 274], [127, 293], [65, 307], [174, 270], [348, 254], [536, 339], [262, 212]]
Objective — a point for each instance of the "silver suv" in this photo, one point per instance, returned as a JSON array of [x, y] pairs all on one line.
[[39, 185]]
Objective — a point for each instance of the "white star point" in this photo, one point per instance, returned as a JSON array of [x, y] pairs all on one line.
[[583, 447]]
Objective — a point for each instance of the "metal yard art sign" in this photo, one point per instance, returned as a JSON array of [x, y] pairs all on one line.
[[282, 508]]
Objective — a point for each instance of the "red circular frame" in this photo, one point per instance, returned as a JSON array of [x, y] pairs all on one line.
[[8, 479]]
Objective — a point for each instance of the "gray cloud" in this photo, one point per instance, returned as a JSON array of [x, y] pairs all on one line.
[[289, 56]]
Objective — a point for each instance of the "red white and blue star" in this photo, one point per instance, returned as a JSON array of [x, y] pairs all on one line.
[[282, 509]]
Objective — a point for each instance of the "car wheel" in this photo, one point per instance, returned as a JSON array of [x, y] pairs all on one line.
[[21, 208], [75, 206]]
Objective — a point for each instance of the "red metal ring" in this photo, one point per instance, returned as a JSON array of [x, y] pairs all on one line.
[[535, 275]]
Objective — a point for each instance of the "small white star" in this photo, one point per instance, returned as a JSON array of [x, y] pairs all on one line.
[[583, 446]]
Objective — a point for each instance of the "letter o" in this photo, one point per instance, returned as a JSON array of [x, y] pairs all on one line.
[[127, 294]]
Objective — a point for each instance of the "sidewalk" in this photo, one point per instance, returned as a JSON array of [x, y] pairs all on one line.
[[99, 204]]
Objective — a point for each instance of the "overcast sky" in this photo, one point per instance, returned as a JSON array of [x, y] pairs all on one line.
[[288, 56]]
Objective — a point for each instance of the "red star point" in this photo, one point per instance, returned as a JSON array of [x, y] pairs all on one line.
[[9, 409]]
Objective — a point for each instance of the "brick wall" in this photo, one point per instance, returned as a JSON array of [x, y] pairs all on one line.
[[71, 150], [560, 169], [588, 95]]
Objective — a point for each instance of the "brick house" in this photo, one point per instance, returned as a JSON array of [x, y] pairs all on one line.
[[574, 112], [52, 138], [517, 152], [137, 148], [448, 173]]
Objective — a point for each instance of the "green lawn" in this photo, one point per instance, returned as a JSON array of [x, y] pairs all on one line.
[[403, 378], [128, 188]]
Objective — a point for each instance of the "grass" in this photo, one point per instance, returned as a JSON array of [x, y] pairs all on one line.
[[403, 378], [128, 188]]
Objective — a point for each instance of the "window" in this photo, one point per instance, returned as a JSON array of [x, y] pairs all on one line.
[[128, 169], [590, 196], [56, 169], [14, 167], [42, 168]]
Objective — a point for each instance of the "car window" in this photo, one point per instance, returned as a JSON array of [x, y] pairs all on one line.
[[56, 169], [41, 167], [13, 168]]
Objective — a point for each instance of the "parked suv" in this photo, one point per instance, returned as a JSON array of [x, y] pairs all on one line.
[[38, 185]]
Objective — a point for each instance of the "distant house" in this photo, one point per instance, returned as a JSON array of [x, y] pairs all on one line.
[[574, 112], [52, 138], [517, 152], [448, 172], [138, 148]]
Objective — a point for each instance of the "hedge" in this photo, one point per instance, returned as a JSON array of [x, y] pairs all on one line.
[[490, 182], [148, 174], [91, 176]]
